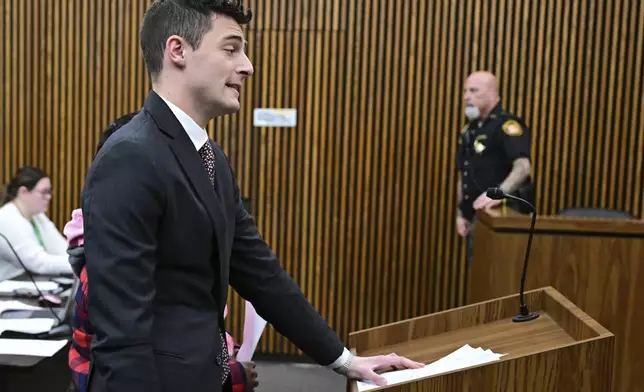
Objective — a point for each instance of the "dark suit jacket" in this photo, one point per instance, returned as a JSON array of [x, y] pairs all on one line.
[[159, 243]]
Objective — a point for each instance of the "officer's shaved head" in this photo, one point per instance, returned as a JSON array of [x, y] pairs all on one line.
[[481, 94], [485, 79]]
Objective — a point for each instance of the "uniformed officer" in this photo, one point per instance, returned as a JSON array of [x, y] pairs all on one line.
[[494, 151]]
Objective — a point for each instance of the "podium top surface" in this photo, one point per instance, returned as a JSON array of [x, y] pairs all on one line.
[[486, 324], [503, 337], [507, 219]]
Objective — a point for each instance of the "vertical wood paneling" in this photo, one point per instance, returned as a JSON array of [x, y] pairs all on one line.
[[358, 199]]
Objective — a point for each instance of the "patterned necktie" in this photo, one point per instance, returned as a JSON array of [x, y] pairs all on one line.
[[208, 158]]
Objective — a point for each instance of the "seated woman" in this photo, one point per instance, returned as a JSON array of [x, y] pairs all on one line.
[[23, 221], [243, 375]]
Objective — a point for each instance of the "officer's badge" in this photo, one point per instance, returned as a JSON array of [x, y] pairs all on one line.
[[512, 128], [478, 146]]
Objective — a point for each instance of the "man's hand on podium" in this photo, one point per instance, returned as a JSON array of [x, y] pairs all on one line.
[[365, 368], [484, 202]]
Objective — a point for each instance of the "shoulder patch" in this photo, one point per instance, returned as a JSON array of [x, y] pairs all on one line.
[[512, 128]]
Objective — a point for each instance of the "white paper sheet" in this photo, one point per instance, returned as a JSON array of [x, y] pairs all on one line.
[[16, 305], [8, 286], [27, 325], [31, 347], [465, 356], [253, 328]]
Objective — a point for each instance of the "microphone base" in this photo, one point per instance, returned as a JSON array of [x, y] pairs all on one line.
[[524, 317]]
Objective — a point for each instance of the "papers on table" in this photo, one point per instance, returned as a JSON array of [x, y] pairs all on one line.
[[7, 287], [465, 356], [16, 305], [31, 347], [26, 325]]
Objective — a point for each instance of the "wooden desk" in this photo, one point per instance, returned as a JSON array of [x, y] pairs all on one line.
[[596, 263], [35, 374]]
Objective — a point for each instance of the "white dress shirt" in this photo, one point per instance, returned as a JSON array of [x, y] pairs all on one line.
[[199, 137], [48, 258]]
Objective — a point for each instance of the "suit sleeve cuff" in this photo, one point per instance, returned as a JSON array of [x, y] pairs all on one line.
[[342, 360]]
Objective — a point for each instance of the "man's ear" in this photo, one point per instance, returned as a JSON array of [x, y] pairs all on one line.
[[175, 48]]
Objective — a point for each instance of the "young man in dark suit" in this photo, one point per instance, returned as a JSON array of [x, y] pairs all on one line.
[[243, 376], [166, 231]]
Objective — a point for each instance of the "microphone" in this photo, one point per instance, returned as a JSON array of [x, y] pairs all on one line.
[[41, 295], [499, 194]]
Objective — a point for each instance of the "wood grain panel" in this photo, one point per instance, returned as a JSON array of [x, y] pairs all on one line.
[[595, 263], [357, 200]]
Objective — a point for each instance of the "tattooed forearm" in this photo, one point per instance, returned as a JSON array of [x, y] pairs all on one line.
[[521, 169]]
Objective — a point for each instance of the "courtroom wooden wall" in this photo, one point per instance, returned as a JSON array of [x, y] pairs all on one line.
[[358, 200]]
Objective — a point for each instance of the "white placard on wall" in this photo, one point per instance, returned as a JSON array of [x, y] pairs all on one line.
[[265, 117]]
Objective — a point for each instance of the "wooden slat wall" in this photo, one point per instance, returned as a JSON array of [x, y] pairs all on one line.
[[358, 199]]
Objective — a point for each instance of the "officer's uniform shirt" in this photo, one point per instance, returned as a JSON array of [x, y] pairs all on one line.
[[486, 152]]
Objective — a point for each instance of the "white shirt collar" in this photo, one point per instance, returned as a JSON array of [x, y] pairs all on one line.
[[197, 135]]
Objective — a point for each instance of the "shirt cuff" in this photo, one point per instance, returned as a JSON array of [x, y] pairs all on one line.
[[346, 355]]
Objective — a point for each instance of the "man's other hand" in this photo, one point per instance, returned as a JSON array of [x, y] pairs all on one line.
[[251, 376], [462, 226]]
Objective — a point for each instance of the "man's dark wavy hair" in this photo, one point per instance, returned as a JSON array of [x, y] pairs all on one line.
[[190, 19]]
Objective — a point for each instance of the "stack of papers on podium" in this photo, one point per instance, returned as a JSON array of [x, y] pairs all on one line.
[[465, 356]]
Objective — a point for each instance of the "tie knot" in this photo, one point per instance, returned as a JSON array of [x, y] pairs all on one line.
[[206, 148]]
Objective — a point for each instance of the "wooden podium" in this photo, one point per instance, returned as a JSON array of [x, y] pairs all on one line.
[[598, 264], [562, 350]]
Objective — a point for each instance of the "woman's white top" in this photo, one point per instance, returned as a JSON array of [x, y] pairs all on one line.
[[38, 243]]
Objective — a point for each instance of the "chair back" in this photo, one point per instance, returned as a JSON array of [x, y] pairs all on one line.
[[605, 213]]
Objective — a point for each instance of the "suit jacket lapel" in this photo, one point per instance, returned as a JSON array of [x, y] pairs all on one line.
[[192, 165]]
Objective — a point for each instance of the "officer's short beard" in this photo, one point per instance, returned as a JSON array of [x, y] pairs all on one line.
[[472, 112]]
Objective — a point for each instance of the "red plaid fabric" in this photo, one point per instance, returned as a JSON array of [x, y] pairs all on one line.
[[237, 375], [79, 351]]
